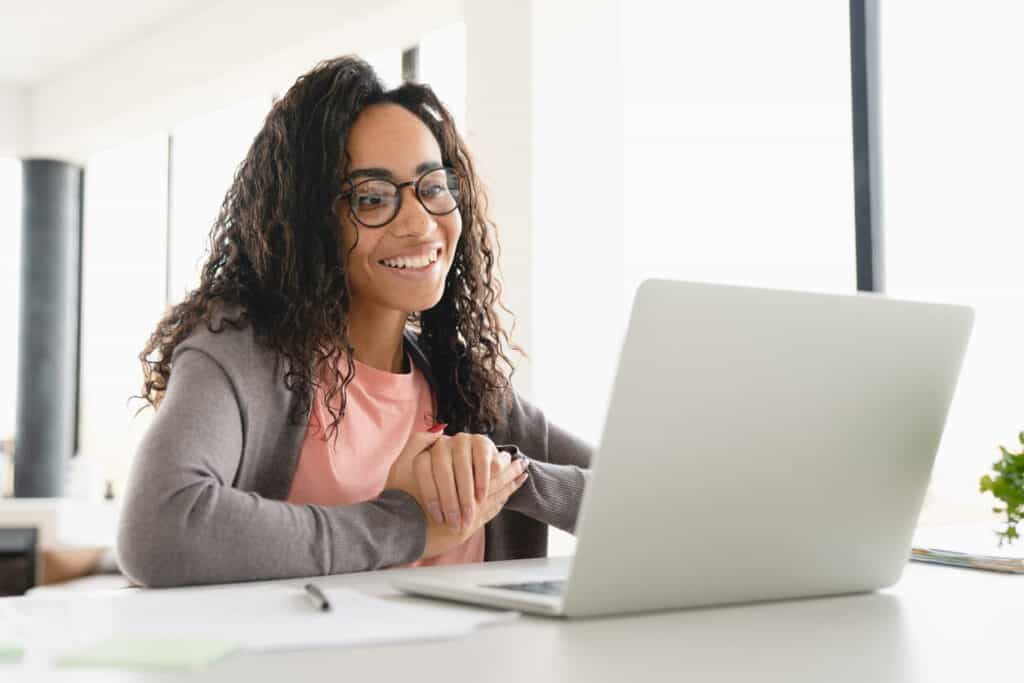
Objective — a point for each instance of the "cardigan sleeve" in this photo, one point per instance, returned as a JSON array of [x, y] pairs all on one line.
[[183, 521], [559, 465]]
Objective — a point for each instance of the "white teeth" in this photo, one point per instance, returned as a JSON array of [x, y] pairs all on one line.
[[406, 262]]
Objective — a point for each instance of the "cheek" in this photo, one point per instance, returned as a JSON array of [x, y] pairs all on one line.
[[356, 260]]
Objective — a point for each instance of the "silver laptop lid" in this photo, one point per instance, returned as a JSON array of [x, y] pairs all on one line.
[[763, 444]]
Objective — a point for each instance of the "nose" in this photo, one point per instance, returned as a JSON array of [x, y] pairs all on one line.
[[413, 218]]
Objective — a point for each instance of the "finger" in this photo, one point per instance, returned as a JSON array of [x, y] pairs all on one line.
[[462, 464], [424, 473], [483, 454], [508, 478], [496, 501], [444, 479], [500, 462], [514, 486]]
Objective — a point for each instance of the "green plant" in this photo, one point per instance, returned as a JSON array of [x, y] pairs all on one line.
[[1008, 486]]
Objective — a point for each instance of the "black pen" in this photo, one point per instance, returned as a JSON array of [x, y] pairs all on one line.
[[320, 600]]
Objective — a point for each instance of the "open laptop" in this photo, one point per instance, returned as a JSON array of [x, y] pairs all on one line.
[[759, 445]]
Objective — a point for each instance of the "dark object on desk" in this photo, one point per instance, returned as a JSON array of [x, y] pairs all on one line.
[[17, 560], [317, 597]]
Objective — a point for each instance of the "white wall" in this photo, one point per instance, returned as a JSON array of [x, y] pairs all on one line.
[[195, 65], [14, 124]]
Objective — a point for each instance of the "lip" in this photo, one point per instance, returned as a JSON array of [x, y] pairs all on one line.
[[422, 250], [425, 272]]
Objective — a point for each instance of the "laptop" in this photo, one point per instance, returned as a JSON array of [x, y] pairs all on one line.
[[759, 444]]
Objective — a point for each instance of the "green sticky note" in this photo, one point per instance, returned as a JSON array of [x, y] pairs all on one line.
[[171, 654], [10, 651]]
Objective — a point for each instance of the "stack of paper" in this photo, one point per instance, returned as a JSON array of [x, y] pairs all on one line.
[[970, 545]]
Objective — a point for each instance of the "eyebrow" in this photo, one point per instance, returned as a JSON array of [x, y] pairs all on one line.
[[385, 173]]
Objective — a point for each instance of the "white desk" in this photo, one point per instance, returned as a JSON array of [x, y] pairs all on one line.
[[937, 624]]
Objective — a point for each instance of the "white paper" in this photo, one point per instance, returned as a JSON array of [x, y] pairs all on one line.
[[257, 617]]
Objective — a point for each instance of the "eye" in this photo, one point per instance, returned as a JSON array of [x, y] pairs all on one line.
[[369, 201], [373, 195], [432, 189]]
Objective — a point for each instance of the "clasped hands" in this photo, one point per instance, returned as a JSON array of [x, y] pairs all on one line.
[[461, 482]]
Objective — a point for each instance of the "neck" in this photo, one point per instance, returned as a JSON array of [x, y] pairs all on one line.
[[376, 337]]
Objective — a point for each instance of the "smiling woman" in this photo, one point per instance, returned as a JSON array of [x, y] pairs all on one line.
[[344, 319]]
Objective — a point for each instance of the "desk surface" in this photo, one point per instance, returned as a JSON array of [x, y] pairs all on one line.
[[936, 624]]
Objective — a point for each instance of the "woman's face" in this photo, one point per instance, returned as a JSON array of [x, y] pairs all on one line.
[[387, 141]]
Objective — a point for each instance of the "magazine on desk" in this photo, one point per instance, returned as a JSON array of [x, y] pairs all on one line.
[[975, 546]]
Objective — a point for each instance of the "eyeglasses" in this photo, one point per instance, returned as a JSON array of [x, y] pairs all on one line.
[[376, 201]]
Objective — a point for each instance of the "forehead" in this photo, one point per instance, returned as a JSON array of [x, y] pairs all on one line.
[[390, 137]]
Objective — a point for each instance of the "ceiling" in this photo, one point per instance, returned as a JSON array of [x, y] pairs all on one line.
[[39, 38]]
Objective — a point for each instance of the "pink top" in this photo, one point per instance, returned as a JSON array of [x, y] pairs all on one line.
[[383, 409]]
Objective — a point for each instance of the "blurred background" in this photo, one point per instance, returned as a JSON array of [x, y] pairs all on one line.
[[619, 140]]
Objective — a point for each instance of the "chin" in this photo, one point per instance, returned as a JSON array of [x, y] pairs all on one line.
[[419, 305]]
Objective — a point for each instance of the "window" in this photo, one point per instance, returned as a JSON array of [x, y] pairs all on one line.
[[737, 165], [123, 287], [954, 223], [738, 144], [206, 151], [10, 275]]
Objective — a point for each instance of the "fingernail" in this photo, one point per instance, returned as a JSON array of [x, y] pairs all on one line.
[[435, 512], [439, 427]]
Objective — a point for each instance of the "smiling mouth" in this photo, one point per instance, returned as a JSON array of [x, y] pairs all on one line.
[[407, 263]]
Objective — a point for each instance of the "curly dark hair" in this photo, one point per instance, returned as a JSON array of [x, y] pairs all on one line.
[[276, 253]]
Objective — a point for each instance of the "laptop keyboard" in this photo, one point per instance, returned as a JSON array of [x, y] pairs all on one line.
[[540, 587]]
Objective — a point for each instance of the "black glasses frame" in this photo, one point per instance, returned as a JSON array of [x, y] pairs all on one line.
[[415, 184]]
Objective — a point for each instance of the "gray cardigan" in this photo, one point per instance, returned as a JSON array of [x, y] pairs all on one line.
[[205, 498]]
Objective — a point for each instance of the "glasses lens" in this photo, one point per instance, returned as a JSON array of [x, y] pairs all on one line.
[[439, 191], [374, 202]]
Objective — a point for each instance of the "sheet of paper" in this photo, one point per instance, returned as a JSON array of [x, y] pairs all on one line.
[[257, 617], [169, 654]]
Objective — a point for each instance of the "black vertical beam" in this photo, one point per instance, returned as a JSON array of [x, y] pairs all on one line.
[[76, 421], [411, 65], [48, 321], [867, 143]]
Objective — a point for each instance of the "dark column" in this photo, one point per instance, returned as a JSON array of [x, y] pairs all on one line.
[[48, 318], [411, 65], [867, 144]]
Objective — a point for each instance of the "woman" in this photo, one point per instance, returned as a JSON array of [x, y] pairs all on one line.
[[345, 316]]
